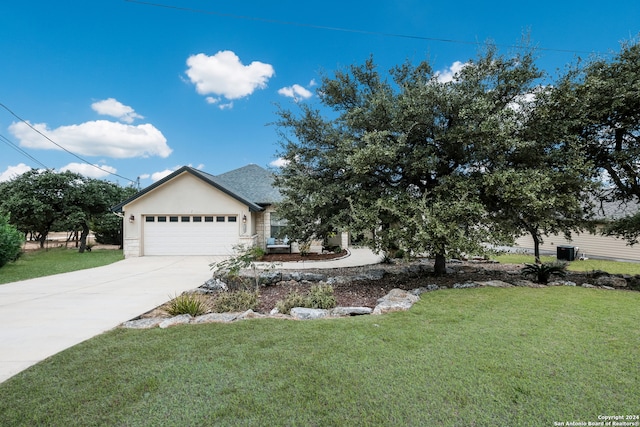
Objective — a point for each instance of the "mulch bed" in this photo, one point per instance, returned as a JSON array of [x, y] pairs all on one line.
[[285, 257]]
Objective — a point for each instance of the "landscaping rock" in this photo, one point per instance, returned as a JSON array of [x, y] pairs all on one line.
[[611, 281], [338, 280], [371, 275], [588, 285], [143, 323], [176, 320], [422, 290], [395, 300], [465, 285], [302, 313], [214, 285], [495, 284], [561, 283], [216, 318], [250, 314], [349, 311]]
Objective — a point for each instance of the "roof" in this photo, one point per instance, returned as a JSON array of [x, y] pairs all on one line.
[[251, 185]]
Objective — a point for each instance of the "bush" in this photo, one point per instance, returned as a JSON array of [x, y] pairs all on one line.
[[235, 301], [193, 304], [541, 273], [10, 241], [294, 299], [319, 296]]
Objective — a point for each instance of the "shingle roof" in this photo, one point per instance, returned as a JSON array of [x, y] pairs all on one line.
[[249, 184]]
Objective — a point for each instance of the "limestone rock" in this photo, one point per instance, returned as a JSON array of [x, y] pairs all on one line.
[[588, 285], [216, 317], [561, 283], [422, 290], [302, 313], [349, 311], [611, 281], [214, 285], [250, 314], [176, 320], [465, 285], [147, 323], [495, 284], [395, 300]]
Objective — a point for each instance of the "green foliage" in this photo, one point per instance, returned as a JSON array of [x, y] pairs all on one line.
[[541, 273], [405, 157], [193, 304], [10, 241], [321, 296], [245, 257], [293, 299], [232, 301], [318, 296], [39, 202]]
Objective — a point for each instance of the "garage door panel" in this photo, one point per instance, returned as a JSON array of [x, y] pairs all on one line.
[[190, 238]]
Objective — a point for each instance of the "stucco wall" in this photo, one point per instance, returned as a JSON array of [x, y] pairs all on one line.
[[185, 194]]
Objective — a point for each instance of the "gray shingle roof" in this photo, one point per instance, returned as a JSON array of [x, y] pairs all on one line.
[[249, 184]]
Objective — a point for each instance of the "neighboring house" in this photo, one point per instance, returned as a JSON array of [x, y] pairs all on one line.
[[593, 245], [191, 212]]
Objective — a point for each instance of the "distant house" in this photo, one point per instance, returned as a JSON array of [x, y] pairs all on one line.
[[593, 245], [191, 212]]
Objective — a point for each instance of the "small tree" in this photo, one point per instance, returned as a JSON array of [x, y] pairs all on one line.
[[245, 257], [10, 241]]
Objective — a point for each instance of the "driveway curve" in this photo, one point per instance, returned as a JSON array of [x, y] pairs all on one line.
[[41, 317]]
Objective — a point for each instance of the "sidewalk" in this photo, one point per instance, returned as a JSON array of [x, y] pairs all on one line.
[[357, 257]]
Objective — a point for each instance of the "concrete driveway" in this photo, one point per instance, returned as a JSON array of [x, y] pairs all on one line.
[[41, 317]]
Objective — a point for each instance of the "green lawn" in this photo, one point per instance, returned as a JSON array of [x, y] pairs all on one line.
[[472, 357], [54, 261]]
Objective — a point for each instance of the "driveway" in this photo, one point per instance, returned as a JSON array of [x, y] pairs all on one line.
[[41, 317]]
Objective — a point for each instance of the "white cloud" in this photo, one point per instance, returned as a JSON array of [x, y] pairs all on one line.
[[296, 92], [449, 74], [96, 138], [90, 171], [223, 74], [112, 107], [156, 176], [145, 176], [14, 171], [279, 162]]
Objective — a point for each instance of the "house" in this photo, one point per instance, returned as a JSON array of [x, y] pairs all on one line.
[[593, 245], [191, 212]]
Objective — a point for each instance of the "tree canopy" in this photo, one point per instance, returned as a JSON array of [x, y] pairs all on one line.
[[422, 164], [39, 202]]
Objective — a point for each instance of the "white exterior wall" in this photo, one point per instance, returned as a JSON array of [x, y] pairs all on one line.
[[186, 195], [593, 245]]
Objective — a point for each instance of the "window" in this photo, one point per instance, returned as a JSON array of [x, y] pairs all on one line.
[[277, 226], [219, 219], [185, 219], [173, 219], [208, 219], [149, 218], [162, 219], [232, 219], [197, 219]]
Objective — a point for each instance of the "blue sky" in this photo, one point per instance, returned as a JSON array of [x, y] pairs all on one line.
[[140, 90]]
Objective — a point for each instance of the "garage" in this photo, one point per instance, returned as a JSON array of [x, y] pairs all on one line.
[[211, 234]]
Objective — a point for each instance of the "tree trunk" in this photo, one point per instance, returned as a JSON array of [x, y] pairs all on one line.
[[440, 266], [536, 246], [83, 237]]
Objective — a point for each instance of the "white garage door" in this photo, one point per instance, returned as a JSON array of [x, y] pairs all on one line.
[[190, 234]]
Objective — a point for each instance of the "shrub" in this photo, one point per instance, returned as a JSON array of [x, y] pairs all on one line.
[[10, 241], [541, 273], [293, 299], [193, 304], [319, 296], [235, 301]]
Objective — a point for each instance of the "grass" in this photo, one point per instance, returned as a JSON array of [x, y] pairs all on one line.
[[613, 267], [54, 261], [474, 357]]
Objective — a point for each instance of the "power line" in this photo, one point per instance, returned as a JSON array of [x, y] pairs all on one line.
[[342, 29], [20, 150], [60, 146]]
